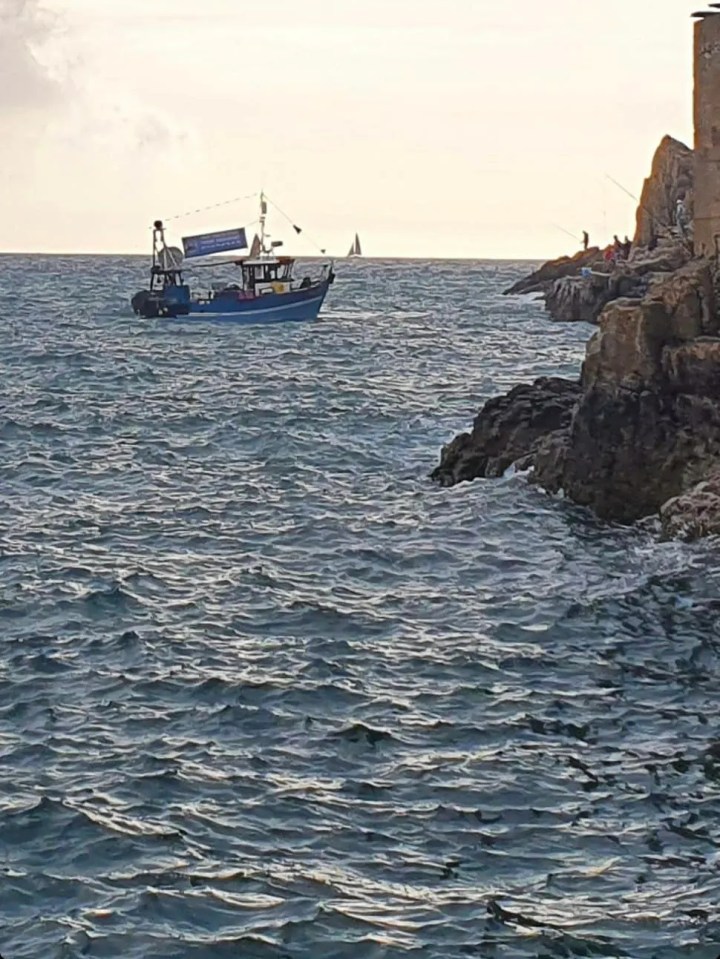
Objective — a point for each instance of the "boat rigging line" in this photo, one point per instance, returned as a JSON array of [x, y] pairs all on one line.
[[295, 227], [213, 206], [239, 199]]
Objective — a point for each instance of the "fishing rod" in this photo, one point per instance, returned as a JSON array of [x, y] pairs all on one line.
[[621, 187], [653, 218], [563, 230]]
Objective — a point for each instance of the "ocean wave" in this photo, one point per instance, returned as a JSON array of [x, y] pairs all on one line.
[[264, 691]]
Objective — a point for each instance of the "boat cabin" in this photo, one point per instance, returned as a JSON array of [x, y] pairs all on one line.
[[267, 274]]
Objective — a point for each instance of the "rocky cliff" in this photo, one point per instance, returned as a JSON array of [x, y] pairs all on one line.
[[671, 178], [647, 425], [578, 287], [640, 432]]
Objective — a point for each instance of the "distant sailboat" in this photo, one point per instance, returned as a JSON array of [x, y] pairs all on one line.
[[356, 249]]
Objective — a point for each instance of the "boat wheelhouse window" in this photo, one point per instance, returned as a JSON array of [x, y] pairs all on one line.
[[266, 273]]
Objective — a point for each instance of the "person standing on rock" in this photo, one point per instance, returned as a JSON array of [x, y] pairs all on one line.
[[627, 247], [586, 240]]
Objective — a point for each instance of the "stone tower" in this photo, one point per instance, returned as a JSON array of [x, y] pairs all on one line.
[[707, 134]]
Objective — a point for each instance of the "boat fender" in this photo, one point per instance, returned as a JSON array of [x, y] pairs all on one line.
[[278, 287]]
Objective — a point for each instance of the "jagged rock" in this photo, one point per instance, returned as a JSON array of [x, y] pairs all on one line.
[[577, 298], [584, 298], [647, 424], [549, 460], [629, 451], [671, 177], [507, 430], [695, 513], [688, 296], [640, 433], [669, 255], [644, 424], [694, 367], [628, 349], [541, 280]]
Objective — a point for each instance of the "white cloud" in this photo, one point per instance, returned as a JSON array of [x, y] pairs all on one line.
[[27, 78]]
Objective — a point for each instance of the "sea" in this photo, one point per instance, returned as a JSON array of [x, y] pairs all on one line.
[[266, 692]]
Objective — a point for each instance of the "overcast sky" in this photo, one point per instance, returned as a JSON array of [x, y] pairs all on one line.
[[457, 128]]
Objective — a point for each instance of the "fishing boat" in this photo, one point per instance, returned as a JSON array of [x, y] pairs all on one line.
[[355, 249], [266, 292]]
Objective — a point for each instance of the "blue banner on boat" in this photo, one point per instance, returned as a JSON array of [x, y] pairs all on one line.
[[207, 243]]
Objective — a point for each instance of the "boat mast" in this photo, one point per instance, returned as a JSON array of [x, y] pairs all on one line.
[[158, 240], [157, 244], [263, 214]]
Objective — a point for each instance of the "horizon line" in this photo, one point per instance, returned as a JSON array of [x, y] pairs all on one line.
[[303, 256]]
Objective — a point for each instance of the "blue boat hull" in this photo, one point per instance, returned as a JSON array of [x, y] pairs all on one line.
[[295, 307], [175, 302]]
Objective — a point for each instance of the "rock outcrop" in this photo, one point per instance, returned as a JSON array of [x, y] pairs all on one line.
[[648, 424], [643, 426], [541, 280], [671, 178], [508, 430], [578, 287], [695, 513], [640, 433], [575, 298]]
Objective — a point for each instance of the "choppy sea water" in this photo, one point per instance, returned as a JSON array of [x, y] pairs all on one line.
[[267, 693]]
